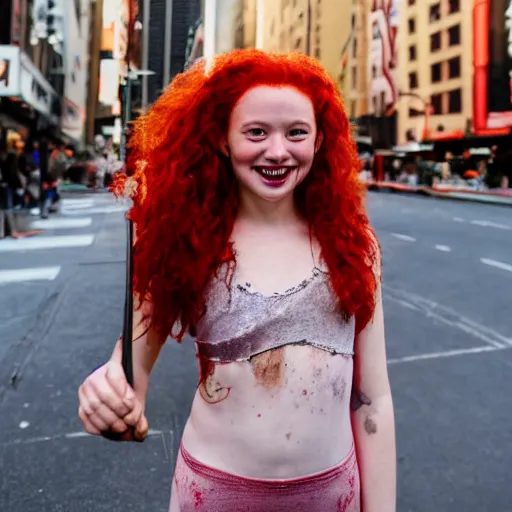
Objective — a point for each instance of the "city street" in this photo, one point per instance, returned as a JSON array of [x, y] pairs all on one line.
[[447, 296]]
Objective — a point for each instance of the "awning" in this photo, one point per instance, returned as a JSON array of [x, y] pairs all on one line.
[[20, 78], [413, 147]]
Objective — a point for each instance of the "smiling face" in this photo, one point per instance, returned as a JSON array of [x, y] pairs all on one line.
[[271, 138]]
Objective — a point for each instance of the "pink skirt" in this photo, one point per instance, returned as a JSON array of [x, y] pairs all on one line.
[[200, 488]]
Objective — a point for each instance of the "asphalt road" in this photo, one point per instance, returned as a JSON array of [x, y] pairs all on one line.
[[447, 299]]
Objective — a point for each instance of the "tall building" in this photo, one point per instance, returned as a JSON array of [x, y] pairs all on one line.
[[354, 65], [248, 23], [436, 69], [320, 28], [32, 61], [168, 26]]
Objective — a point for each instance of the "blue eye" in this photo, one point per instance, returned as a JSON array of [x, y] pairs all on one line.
[[298, 132]]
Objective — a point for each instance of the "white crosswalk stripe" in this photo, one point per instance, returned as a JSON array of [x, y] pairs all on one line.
[[46, 242], [71, 229], [28, 274], [82, 222]]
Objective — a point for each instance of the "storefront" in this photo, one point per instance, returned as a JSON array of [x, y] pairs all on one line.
[[27, 100]]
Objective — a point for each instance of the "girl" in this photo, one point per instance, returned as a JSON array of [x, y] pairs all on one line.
[[251, 236]]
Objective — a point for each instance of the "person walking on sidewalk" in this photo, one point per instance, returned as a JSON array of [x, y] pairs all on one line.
[[252, 238]]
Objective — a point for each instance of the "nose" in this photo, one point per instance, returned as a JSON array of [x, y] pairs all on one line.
[[277, 150]]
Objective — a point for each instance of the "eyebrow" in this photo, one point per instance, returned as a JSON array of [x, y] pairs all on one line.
[[267, 125]]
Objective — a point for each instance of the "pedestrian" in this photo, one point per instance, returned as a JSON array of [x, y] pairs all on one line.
[[57, 166], [252, 238]]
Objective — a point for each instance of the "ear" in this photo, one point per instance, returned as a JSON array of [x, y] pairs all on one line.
[[319, 140], [224, 147]]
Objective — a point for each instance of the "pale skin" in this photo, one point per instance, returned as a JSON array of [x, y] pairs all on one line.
[[281, 423]]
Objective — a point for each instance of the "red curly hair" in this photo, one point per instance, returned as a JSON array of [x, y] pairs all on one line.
[[186, 199]]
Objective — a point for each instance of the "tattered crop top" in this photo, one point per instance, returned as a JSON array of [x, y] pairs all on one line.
[[240, 323]]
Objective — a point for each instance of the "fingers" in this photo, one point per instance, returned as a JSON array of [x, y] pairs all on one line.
[[141, 429], [114, 375], [110, 407], [88, 426], [98, 414], [114, 391], [135, 415]]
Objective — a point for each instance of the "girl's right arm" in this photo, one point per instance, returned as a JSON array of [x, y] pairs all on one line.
[[146, 349], [107, 401]]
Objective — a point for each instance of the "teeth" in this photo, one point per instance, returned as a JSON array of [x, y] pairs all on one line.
[[276, 172]]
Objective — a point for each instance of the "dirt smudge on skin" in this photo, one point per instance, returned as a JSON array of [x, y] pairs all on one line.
[[338, 388], [288, 435], [268, 367], [358, 399], [370, 426]]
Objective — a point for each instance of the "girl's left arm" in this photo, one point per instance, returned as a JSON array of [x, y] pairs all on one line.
[[373, 417]]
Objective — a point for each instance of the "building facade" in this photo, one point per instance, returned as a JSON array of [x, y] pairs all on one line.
[[168, 26], [248, 23], [436, 69], [31, 69], [320, 28]]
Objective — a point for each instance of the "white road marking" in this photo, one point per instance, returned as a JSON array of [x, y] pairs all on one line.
[[405, 238], [22, 275], [81, 206], [62, 223], [489, 224], [77, 203], [439, 355], [446, 316], [72, 435], [98, 209], [443, 248], [496, 264], [458, 219], [46, 242]]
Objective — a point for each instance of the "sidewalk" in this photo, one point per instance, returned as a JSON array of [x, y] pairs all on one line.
[[500, 197]]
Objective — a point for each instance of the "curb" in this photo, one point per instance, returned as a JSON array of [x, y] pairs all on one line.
[[454, 194]]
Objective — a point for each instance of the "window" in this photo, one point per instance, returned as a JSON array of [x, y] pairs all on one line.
[[412, 2], [412, 25], [435, 12], [435, 73], [412, 52], [317, 52], [436, 100], [415, 113], [454, 35], [298, 43], [454, 67], [413, 80], [354, 77], [455, 101], [354, 48], [453, 6], [435, 42]]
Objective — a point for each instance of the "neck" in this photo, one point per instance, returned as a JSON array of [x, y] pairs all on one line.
[[258, 211]]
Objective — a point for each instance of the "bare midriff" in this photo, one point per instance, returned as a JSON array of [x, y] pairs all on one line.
[[283, 414]]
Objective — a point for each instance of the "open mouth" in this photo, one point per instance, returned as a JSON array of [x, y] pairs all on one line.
[[273, 175]]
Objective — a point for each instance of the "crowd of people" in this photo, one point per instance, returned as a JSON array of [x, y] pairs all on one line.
[[26, 184]]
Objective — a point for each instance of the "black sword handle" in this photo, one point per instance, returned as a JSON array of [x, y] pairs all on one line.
[[127, 336]]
